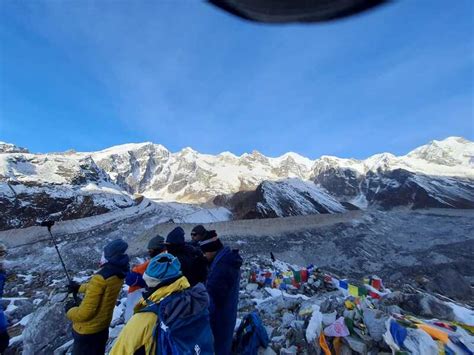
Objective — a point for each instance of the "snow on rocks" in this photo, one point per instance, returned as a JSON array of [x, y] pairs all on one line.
[[462, 314], [305, 320], [301, 319], [47, 330]]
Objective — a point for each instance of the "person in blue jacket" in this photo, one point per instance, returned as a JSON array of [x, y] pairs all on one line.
[[222, 284], [4, 337]]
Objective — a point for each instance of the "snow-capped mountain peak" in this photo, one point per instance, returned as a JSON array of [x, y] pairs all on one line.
[[437, 174], [450, 152], [11, 148], [296, 158], [380, 161]]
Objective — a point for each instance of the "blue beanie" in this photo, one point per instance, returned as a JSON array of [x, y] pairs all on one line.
[[176, 236], [114, 248], [161, 268]]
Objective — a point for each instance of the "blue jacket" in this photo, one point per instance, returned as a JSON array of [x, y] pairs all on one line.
[[3, 322], [223, 285]]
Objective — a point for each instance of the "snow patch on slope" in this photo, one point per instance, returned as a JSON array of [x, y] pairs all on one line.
[[296, 197]]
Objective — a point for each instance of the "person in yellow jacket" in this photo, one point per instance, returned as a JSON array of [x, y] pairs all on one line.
[[167, 287], [91, 319]]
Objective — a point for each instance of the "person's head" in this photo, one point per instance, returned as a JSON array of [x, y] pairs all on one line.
[[163, 267], [156, 245], [175, 237], [114, 252], [210, 245], [198, 233]]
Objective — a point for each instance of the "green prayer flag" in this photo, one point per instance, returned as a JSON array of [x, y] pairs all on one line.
[[297, 276], [363, 291]]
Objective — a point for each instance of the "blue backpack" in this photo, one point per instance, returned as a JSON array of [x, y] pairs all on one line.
[[250, 335], [182, 326]]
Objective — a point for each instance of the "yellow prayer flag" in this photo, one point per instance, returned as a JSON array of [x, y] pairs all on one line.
[[349, 305], [353, 290]]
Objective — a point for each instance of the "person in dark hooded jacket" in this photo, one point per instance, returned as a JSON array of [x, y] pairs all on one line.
[[193, 262], [222, 284], [91, 319]]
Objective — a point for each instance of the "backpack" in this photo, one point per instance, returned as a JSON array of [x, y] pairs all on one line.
[[250, 335], [177, 333]]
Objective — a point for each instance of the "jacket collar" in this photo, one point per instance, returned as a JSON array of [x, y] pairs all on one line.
[[179, 285]]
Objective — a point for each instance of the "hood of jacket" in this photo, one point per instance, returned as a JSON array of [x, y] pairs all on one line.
[[121, 262], [189, 303]]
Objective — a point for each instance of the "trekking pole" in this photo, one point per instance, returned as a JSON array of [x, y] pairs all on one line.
[[49, 224]]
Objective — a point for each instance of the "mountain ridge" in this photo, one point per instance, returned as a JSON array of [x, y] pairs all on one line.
[[438, 174]]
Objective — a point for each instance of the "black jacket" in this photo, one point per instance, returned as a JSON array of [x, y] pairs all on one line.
[[193, 263]]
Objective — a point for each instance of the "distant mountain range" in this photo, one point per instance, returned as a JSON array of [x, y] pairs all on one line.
[[77, 184]]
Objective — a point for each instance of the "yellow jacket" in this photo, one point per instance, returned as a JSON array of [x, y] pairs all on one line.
[[138, 332], [96, 309]]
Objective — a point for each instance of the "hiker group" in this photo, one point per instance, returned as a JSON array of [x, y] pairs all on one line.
[[182, 300], [4, 337]]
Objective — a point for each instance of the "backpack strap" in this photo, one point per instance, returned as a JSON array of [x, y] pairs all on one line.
[[153, 307], [160, 330]]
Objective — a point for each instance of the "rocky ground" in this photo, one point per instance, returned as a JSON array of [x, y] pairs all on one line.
[[294, 317], [421, 253]]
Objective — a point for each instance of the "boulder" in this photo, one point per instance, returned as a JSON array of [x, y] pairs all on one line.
[[357, 345], [292, 350], [419, 304], [288, 319], [251, 287], [375, 320], [47, 330]]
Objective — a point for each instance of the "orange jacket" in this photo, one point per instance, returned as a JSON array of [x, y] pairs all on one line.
[[140, 268]]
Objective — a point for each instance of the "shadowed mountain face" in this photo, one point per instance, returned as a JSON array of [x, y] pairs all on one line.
[[382, 190], [35, 187], [400, 187], [291, 197], [74, 185]]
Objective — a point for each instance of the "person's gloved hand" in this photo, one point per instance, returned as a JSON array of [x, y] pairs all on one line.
[[69, 304], [135, 279], [73, 287]]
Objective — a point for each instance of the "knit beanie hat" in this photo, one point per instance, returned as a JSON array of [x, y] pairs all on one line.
[[176, 236], [161, 268], [211, 242], [199, 230], [157, 243], [115, 248]]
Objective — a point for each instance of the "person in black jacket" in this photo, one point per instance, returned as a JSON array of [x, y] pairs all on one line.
[[193, 262]]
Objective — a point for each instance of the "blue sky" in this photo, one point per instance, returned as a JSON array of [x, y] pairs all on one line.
[[91, 74]]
